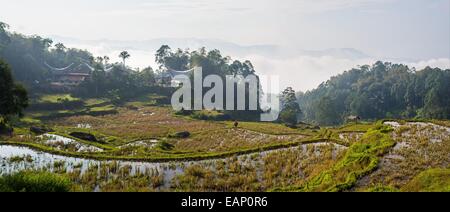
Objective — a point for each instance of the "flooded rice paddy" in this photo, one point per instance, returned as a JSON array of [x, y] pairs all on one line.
[[62, 143], [14, 159], [419, 146]]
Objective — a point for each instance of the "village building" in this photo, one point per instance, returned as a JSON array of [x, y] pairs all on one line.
[[66, 79], [166, 78]]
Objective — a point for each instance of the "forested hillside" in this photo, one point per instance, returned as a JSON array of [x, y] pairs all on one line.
[[383, 90], [27, 56], [30, 58]]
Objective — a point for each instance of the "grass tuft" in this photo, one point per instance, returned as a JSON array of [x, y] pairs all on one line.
[[34, 182]]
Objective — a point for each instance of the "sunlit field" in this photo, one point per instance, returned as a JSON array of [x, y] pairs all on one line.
[[138, 147], [234, 97]]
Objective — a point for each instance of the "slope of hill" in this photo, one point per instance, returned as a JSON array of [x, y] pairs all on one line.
[[384, 90]]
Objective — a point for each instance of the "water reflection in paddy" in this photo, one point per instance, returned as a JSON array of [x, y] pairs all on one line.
[[46, 161], [49, 162]]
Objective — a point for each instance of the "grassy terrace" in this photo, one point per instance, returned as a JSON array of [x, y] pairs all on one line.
[[361, 159], [432, 180], [162, 156], [53, 106], [208, 140], [272, 128], [56, 98], [420, 147], [326, 171], [387, 159], [141, 131], [139, 120], [360, 127]]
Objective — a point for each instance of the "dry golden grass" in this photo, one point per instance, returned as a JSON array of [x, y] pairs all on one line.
[[271, 128], [145, 122], [230, 139], [258, 172]]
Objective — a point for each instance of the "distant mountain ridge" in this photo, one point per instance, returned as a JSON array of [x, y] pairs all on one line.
[[226, 47]]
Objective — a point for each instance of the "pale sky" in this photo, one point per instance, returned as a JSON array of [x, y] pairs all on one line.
[[416, 32]]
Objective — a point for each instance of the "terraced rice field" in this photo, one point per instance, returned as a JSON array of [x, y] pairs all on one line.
[[136, 150]]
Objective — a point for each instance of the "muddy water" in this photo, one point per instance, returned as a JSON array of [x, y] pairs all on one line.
[[46, 161], [392, 124], [144, 143], [61, 141]]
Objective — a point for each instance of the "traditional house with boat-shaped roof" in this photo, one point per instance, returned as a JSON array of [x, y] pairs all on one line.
[[166, 78], [67, 78]]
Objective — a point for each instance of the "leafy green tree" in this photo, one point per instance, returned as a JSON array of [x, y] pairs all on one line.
[[4, 38], [177, 60], [383, 90], [13, 97], [47, 42], [289, 117], [146, 78], [161, 55], [212, 63], [114, 96], [291, 109], [325, 113]]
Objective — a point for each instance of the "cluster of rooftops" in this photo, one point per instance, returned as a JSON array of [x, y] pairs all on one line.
[[71, 76]]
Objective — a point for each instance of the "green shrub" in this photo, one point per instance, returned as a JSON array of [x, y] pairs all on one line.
[[5, 128], [164, 145], [289, 117], [433, 180], [210, 115], [34, 182]]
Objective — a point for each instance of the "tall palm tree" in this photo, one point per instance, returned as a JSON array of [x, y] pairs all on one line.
[[99, 60], [60, 47], [47, 42], [124, 55], [106, 59]]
